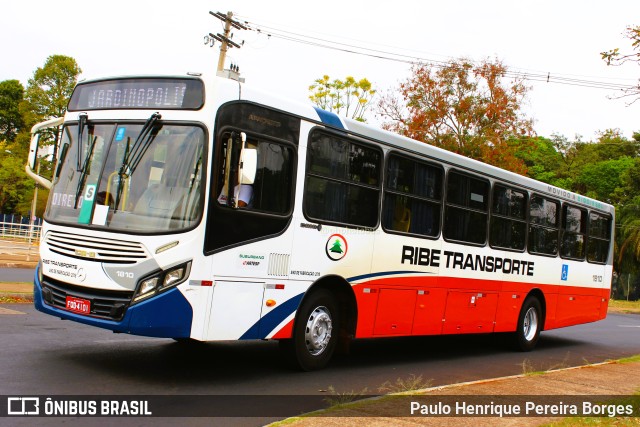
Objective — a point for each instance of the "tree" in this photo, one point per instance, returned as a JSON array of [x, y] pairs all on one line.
[[616, 58], [46, 96], [11, 121], [348, 97], [542, 161], [16, 189], [628, 237], [49, 90], [465, 108]]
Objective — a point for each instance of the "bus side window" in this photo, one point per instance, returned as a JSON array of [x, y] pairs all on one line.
[[274, 178], [413, 197], [343, 181], [508, 218], [466, 211], [543, 226], [574, 228], [599, 239]]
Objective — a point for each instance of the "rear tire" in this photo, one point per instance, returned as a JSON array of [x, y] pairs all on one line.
[[315, 332], [529, 324]]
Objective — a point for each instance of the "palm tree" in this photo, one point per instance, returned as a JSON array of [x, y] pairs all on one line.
[[628, 240]]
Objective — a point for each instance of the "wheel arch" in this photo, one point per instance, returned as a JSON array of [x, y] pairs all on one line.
[[345, 297]]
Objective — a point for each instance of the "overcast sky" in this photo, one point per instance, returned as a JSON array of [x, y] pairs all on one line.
[[561, 37]]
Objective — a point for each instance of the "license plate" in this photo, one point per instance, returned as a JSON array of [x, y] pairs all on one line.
[[78, 305]]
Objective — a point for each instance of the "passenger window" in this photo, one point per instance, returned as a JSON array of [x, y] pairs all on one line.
[[574, 226], [599, 239], [466, 209], [343, 181], [543, 226], [508, 219], [413, 194]]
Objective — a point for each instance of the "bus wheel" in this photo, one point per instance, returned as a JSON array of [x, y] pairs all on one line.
[[529, 324], [315, 332]]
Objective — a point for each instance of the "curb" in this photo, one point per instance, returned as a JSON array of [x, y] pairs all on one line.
[[373, 400], [19, 264]]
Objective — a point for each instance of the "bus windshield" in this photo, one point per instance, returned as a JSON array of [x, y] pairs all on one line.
[[137, 177]]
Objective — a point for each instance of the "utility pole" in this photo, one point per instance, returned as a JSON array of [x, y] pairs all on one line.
[[225, 39]]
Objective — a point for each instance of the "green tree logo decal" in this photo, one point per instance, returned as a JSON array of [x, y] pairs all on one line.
[[336, 247]]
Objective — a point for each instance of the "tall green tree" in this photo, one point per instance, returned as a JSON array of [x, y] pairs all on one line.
[[46, 96], [11, 120], [48, 92], [16, 188], [348, 97], [542, 161]]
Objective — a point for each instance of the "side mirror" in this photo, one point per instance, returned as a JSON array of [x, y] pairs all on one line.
[[248, 165]]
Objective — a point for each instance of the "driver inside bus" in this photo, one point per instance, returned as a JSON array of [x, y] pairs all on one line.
[[243, 192], [244, 195]]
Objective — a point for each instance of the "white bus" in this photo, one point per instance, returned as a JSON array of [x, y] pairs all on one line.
[[197, 208]]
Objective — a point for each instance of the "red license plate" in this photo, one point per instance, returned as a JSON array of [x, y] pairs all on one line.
[[78, 305]]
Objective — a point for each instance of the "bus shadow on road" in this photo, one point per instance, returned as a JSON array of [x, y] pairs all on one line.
[[194, 363]]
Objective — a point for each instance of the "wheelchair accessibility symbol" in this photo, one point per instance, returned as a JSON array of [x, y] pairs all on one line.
[[565, 272]]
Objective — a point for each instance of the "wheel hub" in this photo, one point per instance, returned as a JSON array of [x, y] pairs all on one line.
[[318, 330], [530, 324]]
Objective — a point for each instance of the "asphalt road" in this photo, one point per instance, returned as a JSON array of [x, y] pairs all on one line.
[[40, 354], [16, 274]]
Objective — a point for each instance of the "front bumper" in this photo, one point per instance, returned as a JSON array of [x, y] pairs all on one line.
[[167, 315]]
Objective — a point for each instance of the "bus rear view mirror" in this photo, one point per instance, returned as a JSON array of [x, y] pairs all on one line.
[[248, 165]]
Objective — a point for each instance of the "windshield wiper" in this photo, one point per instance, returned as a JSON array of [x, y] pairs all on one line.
[[134, 154], [85, 168], [145, 137], [82, 123], [82, 166]]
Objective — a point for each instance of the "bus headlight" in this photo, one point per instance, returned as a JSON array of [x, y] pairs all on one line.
[[175, 276], [148, 285], [162, 281]]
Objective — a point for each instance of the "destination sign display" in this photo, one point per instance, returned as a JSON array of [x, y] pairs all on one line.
[[138, 93]]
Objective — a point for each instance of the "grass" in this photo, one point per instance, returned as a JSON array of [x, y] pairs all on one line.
[[338, 399], [631, 359], [14, 299], [622, 306], [401, 385], [606, 421]]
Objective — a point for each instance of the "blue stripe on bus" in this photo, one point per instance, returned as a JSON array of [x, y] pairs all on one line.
[[385, 273], [329, 118], [271, 320]]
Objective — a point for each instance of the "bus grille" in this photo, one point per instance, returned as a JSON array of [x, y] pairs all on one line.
[[105, 304], [96, 249]]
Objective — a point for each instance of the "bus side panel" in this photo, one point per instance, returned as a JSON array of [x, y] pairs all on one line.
[[235, 308], [577, 305], [509, 305], [394, 315], [470, 312], [429, 313], [604, 302]]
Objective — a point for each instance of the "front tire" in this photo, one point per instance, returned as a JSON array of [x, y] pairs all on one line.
[[315, 333], [529, 324]]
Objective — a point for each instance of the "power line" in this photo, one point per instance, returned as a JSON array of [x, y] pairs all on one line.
[[326, 43]]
